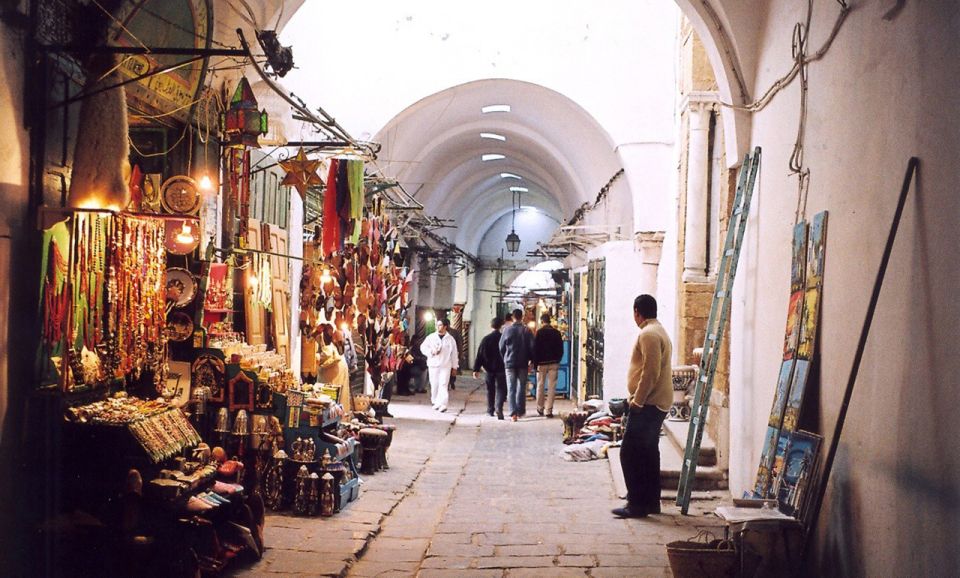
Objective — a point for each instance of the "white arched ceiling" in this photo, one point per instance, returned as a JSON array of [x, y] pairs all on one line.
[[434, 148]]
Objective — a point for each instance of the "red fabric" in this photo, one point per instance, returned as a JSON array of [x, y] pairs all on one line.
[[331, 223]]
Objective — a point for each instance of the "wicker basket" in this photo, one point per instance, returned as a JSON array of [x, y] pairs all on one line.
[[698, 559]]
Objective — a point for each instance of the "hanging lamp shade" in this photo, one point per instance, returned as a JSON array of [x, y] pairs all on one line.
[[243, 122], [513, 242]]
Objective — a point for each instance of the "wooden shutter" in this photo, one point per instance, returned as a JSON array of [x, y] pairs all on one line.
[[255, 313], [280, 270]]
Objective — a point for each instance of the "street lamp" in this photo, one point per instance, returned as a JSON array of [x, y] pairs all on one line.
[[513, 240]]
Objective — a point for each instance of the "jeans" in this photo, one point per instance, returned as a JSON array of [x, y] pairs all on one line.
[[496, 391], [547, 374], [640, 457], [517, 390]]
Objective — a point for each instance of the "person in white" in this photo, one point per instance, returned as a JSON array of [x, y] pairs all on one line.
[[442, 360]]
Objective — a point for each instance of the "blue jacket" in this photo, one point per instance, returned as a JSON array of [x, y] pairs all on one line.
[[516, 346]]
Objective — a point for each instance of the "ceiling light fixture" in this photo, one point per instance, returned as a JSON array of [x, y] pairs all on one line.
[[493, 136], [495, 108], [519, 189], [513, 240], [510, 176], [491, 157]]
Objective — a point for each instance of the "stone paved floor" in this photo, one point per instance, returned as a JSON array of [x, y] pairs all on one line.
[[468, 495]]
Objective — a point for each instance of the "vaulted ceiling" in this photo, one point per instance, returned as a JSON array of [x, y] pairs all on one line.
[[435, 150]]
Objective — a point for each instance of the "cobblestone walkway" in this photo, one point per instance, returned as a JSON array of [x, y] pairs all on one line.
[[469, 495]]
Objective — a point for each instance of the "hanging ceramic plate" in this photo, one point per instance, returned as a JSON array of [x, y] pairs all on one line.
[[181, 286], [180, 195], [179, 326], [176, 241]]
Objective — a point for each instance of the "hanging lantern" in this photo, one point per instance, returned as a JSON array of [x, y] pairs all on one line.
[[243, 123]]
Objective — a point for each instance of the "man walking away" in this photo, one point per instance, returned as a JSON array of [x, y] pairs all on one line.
[[516, 346], [489, 359], [650, 395], [547, 353], [442, 361]]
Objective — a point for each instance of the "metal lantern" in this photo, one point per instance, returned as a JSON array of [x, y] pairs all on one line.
[[513, 242], [243, 123], [222, 424], [241, 424]]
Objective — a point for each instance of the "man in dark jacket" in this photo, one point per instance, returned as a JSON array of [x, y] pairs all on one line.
[[516, 346], [547, 353], [490, 360]]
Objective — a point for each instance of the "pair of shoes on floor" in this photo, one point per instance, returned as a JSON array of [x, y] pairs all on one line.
[[499, 415], [490, 412]]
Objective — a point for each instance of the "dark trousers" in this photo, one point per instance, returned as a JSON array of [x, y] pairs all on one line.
[[640, 457], [496, 391]]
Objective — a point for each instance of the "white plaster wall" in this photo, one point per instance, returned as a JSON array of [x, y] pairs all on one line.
[[627, 277], [295, 244], [648, 172], [885, 91]]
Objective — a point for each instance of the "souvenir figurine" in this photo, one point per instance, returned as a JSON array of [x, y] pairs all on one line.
[[301, 500], [326, 496]]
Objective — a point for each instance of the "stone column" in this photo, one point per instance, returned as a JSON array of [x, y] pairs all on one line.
[[650, 246], [698, 210]]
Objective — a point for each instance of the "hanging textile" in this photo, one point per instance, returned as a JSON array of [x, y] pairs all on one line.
[[263, 292], [356, 198], [343, 199], [53, 291], [331, 223]]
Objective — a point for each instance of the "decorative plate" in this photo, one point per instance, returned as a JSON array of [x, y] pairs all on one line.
[[172, 237], [181, 286], [180, 195], [179, 326]]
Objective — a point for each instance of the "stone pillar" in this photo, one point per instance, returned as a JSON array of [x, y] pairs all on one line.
[[698, 210], [650, 246]]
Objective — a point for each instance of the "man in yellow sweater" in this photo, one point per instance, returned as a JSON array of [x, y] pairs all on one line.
[[650, 394]]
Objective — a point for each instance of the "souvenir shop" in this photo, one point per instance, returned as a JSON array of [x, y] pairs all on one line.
[[164, 365]]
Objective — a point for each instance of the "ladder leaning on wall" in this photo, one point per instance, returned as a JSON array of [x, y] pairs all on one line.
[[719, 310]]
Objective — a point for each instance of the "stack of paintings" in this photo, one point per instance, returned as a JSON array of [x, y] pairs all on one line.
[[806, 285]]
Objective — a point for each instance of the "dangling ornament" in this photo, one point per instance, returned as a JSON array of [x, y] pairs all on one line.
[[301, 172]]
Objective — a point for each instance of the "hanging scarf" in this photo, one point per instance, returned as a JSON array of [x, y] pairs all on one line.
[[356, 198], [343, 199], [331, 223]]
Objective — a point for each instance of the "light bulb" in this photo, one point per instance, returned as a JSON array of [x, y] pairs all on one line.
[[428, 316], [206, 183], [325, 276], [252, 280]]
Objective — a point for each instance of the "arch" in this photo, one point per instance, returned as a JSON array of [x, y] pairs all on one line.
[[433, 148], [713, 25]]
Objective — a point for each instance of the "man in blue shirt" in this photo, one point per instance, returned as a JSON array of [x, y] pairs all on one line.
[[516, 346]]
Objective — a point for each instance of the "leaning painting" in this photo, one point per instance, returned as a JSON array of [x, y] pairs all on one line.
[[800, 460]]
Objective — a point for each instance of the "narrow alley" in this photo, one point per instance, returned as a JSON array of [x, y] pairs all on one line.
[[468, 495]]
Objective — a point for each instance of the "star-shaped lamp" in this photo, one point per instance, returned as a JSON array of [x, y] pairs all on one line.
[[301, 172]]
